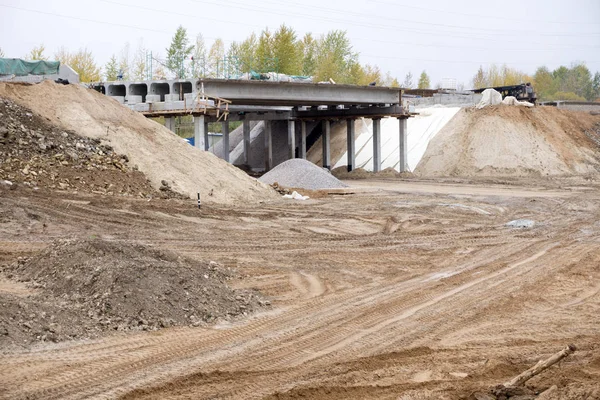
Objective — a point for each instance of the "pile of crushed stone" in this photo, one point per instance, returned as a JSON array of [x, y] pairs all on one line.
[[301, 174], [35, 153], [82, 289]]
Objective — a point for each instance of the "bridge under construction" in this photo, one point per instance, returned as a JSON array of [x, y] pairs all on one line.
[[214, 100]]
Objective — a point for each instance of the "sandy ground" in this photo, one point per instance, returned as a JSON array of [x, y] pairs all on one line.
[[411, 290]]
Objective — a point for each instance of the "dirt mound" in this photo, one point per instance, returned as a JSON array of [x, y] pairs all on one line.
[[35, 153], [514, 141], [302, 174], [79, 289], [156, 151]]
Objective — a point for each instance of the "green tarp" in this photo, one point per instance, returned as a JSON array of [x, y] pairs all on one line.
[[18, 67]]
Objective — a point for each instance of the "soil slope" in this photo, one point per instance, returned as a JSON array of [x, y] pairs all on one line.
[[156, 151], [514, 141]]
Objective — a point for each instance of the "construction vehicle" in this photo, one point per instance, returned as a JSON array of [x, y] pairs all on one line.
[[522, 92]]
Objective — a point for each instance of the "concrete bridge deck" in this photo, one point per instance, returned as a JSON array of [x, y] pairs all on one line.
[[214, 100]]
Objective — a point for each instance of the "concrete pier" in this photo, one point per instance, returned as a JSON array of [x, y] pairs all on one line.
[[246, 142], [403, 164], [292, 138], [303, 140], [350, 138], [376, 145], [268, 146], [326, 144], [170, 124], [225, 129], [200, 132]]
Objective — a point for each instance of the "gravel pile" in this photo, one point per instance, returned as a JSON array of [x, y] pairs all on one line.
[[301, 174], [38, 154]]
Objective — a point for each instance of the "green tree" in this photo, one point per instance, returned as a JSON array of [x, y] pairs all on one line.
[[335, 58], [287, 51], [395, 83], [408, 81], [561, 76], [596, 85], [199, 58], [424, 81], [309, 47], [244, 53], [82, 62], [265, 59], [566, 96], [543, 83], [138, 72], [216, 56], [124, 67], [37, 53], [178, 52], [111, 70], [479, 80]]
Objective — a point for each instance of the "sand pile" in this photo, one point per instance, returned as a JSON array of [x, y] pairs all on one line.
[[301, 174], [156, 151], [514, 141], [81, 289]]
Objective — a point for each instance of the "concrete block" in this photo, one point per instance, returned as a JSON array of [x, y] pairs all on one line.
[[171, 97], [178, 105], [159, 106], [133, 99], [141, 107], [120, 99], [153, 98]]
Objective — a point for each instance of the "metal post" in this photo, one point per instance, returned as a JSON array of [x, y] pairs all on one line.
[[403, 160], [268, 146], [246, 128], [303, 141], [292, 138], [225, 130], [350, 137], [376, 145], [326, 139]]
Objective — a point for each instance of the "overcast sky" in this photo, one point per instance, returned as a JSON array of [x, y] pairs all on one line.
[[448, 39]]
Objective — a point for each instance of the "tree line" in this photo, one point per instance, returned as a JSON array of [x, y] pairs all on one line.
[[327, 57], [563, 83]]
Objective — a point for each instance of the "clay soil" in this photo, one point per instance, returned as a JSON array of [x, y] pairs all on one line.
[[402, 290]]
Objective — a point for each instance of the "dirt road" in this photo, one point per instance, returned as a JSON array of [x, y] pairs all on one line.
[[411, 293]]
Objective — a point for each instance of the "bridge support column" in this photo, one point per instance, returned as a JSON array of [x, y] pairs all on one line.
[[303, 140], [326, 144], [225, 130], [350, 137], [403, 164], [200, 132], [170, 124], [246, 128], [376, 145], [292, 138], [268, 146]]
